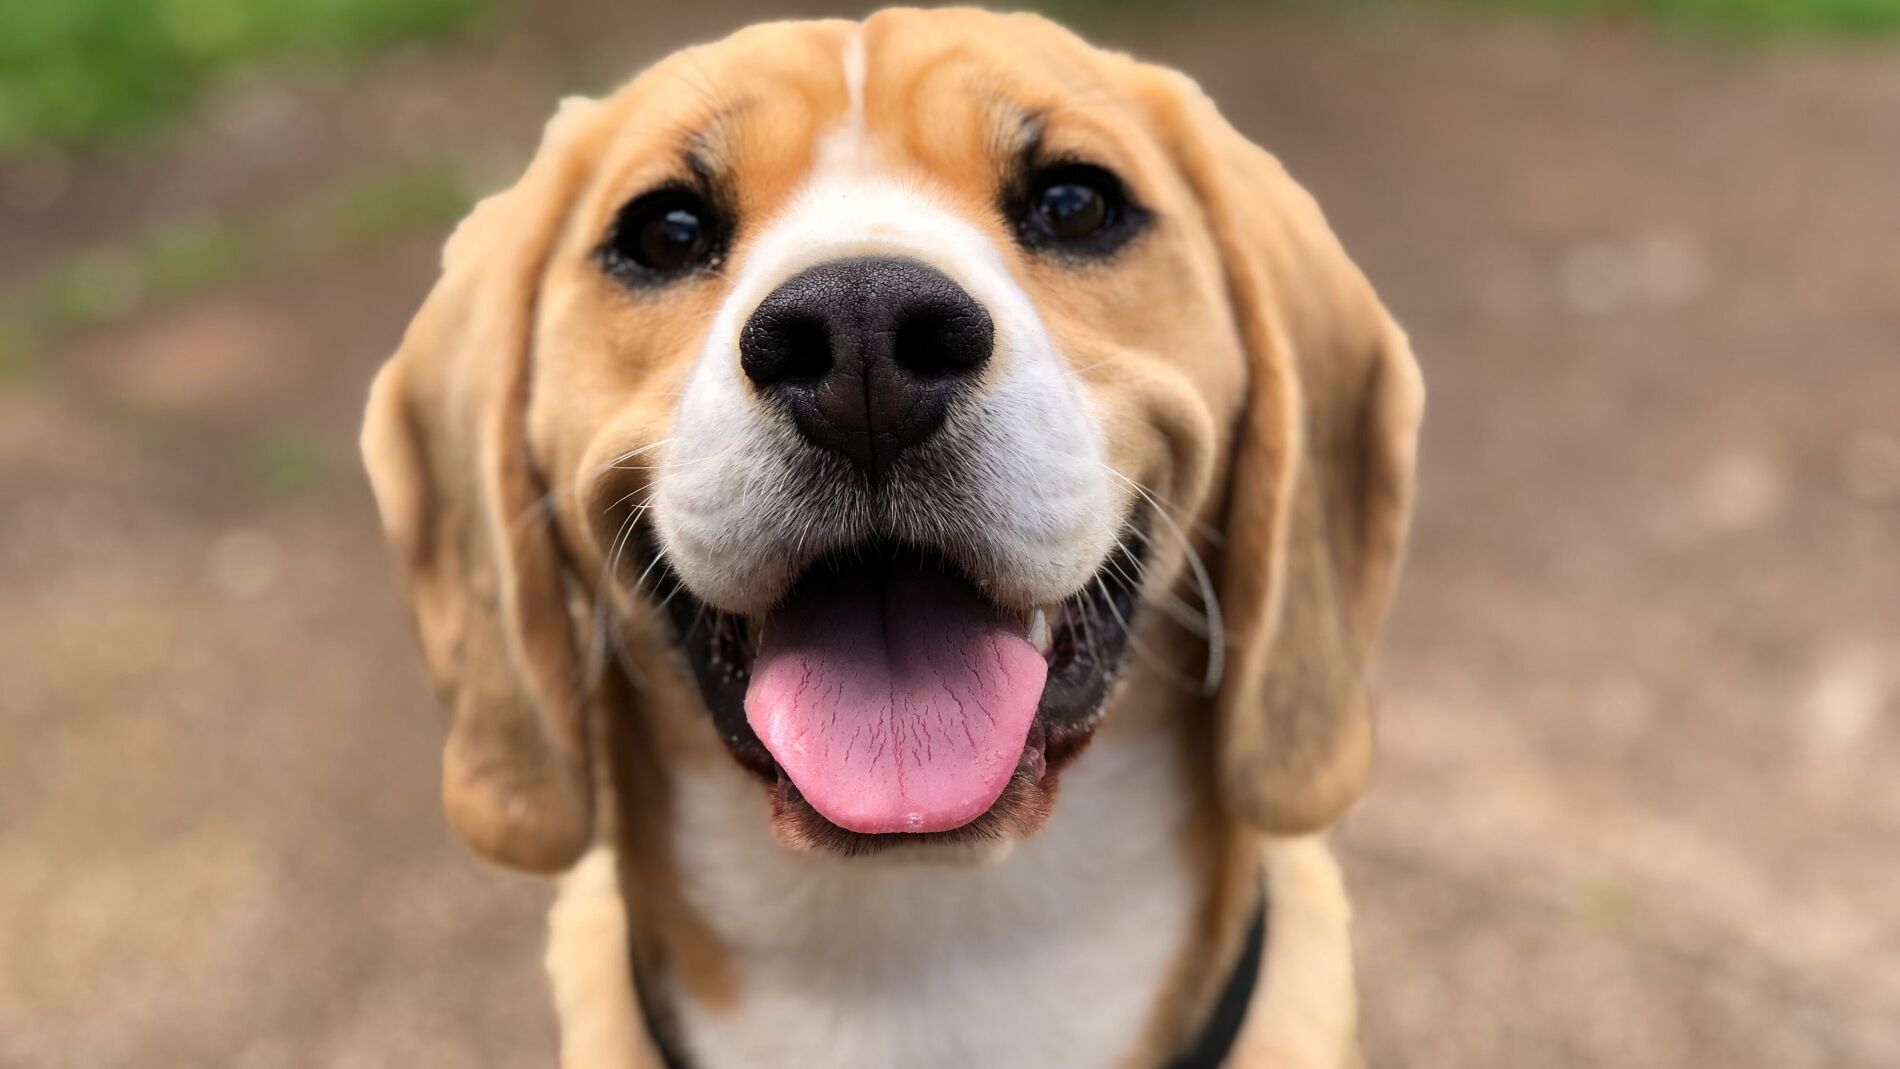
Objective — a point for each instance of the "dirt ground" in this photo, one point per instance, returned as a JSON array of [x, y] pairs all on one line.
[[1636, 803]]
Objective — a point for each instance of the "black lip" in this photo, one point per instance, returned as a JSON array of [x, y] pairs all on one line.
[[1088, 646]]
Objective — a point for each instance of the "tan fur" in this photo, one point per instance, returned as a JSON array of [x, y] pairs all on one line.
[[1243, 374], [592, 979], [1305, 1013], [1321, 486], [446, 455], [666, 925]]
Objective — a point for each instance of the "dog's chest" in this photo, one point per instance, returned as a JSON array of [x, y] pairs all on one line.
[[1054, 955]]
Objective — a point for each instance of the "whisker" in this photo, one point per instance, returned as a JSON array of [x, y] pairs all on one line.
[[602, 588], [544, 505], [642, 580], [596, 666], [1155, 661], [1088, 633], [1216, 634], [676, 463], [1160, 500], [1171, 603], [674, 593]]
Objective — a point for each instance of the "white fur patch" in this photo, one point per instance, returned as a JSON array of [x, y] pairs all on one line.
[[854, 79], [1054, 955], [1040, 510]]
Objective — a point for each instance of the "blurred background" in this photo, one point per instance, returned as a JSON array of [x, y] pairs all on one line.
[[1637, 803]]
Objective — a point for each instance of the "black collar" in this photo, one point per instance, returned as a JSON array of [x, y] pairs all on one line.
[[1209, 1050], [1217, 1037]]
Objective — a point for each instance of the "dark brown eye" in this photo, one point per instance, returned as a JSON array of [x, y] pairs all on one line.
[[1070, 210], [1077, 208], [671, 240], [661, 234]]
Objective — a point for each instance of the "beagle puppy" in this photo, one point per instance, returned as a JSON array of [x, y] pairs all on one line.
[[899, 511]]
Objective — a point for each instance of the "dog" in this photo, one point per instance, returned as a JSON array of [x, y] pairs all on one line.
[[899, 512]]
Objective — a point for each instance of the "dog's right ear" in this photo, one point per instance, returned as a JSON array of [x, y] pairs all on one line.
[[1320, 493], [445, 444]]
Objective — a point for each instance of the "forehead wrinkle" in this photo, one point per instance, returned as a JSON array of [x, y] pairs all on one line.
[[720, 139], [655, 124], [951, 112], [689, 69]]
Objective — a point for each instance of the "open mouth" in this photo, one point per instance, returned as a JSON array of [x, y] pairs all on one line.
[[885, 699]]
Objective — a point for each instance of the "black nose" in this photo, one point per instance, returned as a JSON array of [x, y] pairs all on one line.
[[866, 353]]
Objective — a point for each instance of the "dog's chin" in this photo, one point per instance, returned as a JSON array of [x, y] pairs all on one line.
[[1081, 643]]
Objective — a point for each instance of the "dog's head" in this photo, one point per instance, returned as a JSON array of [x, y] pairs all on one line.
[[894, 371]]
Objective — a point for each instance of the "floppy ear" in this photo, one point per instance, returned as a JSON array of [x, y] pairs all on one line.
[[1320, 489], [445, 444]]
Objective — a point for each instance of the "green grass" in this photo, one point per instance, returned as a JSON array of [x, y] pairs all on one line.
[[285, 464], [85, 71], [1751, 17], [1847, 17]]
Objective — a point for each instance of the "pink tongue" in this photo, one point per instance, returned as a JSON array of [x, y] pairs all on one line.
[[898, 702]]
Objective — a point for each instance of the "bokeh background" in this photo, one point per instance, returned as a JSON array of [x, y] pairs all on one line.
[[1638, 802]]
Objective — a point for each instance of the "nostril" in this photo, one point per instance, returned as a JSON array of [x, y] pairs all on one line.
[[807, 350], [785, 347], [935, 341]]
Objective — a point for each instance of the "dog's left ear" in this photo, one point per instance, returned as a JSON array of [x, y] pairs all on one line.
[[1320, 490], [445, 443]]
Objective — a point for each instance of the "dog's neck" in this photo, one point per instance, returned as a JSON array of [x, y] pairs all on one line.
[[1071, 950]]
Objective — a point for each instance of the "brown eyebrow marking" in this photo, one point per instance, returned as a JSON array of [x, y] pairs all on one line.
[[1025, 137], [705, 150], [701, 162], [1016, 138]]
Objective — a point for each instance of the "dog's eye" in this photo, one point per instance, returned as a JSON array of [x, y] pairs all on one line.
[[664, 233], [1077, 207], [1069, 210]]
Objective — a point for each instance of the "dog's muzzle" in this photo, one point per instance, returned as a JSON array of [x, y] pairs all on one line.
[[888, 554]]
